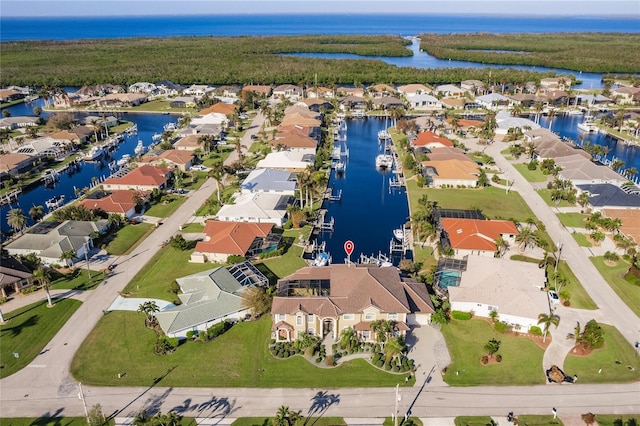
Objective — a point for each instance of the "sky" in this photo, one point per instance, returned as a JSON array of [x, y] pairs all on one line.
[[621, 8]]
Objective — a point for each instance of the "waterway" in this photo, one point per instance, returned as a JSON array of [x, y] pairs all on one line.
[[368, 211]]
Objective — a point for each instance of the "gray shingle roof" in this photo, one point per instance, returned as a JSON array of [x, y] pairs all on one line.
[[607, 195]]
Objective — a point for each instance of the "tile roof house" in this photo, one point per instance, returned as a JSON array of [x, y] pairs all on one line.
[[259, 90], [511, 288], [14, 164], [608, 196], [223, 239], [14, 276], [493, 101], [49, 240], [324, 301], [180, 158], [428, 140], [143, 178], [630, 221], [451, 173], [472, 236], [271, 181], [301, 118], [413, 89], [449, 90], [188, 143], [387, 102], [122, 99], [210, 297], [221, 108], [287, 91], [292, 161], [582, 171], [626, 95], [350, 91], [122, 202], [381, 90], [256, 207]]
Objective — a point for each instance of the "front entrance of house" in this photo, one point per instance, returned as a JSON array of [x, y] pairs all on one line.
[[327, 327]]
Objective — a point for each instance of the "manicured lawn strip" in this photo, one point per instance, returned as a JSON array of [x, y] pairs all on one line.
[[165, 210], [579, 297], [581, 239], [128, 238], [287, 264], [530, 175], [617, 419], [494, 203], [521, 358], [615, 348], [156, 276], [315, 421], [572, 220], [538, 420], [78, 280], [389, 421], [614, 275], [121, 344], [546, 196], [29, 330], [192, 227], [473, 421]]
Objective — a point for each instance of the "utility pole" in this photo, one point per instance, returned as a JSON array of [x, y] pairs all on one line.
[[555, 275], [84, 403], [86, 258]]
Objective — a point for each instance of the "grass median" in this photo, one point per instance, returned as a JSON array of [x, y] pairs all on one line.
[[128, 238], [614, 275]]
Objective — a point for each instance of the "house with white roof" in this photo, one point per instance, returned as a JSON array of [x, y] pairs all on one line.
[[271, 181], [449, 90], [210, 297], [142, 87], [511, 288], [292, 161], [258, 207], [45, 146], [424, 102], [493, 101], [198, 90], [506, 121]]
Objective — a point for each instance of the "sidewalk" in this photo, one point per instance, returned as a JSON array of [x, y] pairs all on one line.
[[18, 301]]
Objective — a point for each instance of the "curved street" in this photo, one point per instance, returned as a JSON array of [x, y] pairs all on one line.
[[45, 387]]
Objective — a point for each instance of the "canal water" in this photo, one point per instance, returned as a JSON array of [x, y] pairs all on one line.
[[369, 210]]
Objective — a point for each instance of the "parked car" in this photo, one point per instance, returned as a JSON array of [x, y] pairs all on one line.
[[200, 168], [553, 297]]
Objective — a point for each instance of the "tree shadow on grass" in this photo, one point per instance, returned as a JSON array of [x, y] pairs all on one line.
[[50, 419], [321, 402], [16, 329]]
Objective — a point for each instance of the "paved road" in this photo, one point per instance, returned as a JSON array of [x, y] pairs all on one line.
[[611, 306]]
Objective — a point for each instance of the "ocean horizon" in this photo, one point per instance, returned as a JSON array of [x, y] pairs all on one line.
[[227, 25]]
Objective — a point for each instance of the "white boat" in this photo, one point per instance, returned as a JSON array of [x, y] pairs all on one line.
[[94, 153], [55, 202], [133, 129], [169, 127], [336, 153], [50, 176], [339, 167], [384, 161], [588, 126], [358, 114], [575, 112], [322, 259], [124, 160], [140, 148], [384, 136], [157, 136], [398, 234]]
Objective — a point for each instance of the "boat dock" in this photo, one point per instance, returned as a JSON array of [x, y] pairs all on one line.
[[330, 196], [10, 196], [320, 224], [404, 245]]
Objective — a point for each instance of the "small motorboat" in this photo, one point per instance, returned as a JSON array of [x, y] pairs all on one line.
[[384, 161], [140, 148], [322, 259], [124, 160], [398, 234], [94, 153], [55, 202]]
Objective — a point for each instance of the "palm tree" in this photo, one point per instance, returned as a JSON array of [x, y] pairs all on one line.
[[36, 213], [547, 320], [286, 417], [43, 276], [501, 246], [141, 419], [630, 173], [149, 308], [66, 256], [393, 347], [538, 107], [16, 219], [552, 113], [576, 335], [527, 237], [617, 164]]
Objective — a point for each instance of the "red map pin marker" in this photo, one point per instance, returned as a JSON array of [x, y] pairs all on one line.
[[348, 247]]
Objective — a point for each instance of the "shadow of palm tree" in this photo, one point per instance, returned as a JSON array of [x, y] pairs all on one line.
[[16, 329], [321, 402]]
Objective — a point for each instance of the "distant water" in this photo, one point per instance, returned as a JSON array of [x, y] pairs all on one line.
[[57, 28]]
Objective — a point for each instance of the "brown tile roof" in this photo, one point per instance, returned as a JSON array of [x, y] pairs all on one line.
[[294, 140], [353, 289], [221, 108], [447, 153], [300, 119], [175, 156], [263, 90], [120, 201], [454, 169], [630, 221], [465, 124], [425, 138], [64, 135], [231, 237], [144, 175], [188, 141], [11, 160], [283, 325], [472, 234]]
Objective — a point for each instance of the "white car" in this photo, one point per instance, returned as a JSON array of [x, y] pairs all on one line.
[[200, 167], [553, 297]]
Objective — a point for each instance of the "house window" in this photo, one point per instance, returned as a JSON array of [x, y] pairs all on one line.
[[310, 331], [281, 317], [392, 316], [348, 317], [369, 316], [299, 320], [366, 334], [492, 308], [311, 318]]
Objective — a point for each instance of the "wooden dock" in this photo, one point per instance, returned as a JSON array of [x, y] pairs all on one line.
[[330, 196], [10, 197]]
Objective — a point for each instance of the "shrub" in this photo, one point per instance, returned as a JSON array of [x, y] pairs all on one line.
[[502, 327], [310, 351], [396, 369], [484, 360], [233, 259], [380, 363], [190, 334], [499, 358], [459, 315], [29, 289], [375, 359], [174, 287], [219, 328], [3, 300], [535, 330], [329, 360], [163, 346], [319, 359], [387, 366]]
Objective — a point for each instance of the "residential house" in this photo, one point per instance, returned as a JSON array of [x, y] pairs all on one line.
[[625, 95], [358, 92], [121, 202], [15, 164], [317, 105], [168, 88], [228, 92], [8, 95], [44, 146], [198, 90], [449, 91], [506, 121], [174, 158], [452, 173], [220, 108], [14, 276], [320, 93], [410, 90], [295, 141], [556, 98], [630, 218], [12, 123], [476, 237], [350, 103], [271, 181], [381, 90], [424, 102], [106, 121], [210, 297], [555, 83], [292, 161], [262, 91], [426, 141], [143, 178], [512, 289], [386, 102], [48, 240], [122, 100], [142, 87], [224, 239], [183, 102], [322, 301], [527, 100], [287, 91], [258, 207], [188, 143], [611, 197], [493, 101], [474, 87]]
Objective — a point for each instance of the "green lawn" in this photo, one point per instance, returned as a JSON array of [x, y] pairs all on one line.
[[531, 175], [473, 421], [47, 421], [614, 275], [28, 331], [165, 210], [193, 227], [572, 220], [521, 358], [128, 237], [78, 280], [315, 421], [617, 419], [121, 344], [287, 264], [494, 203], [538, 420], [579, 297], [615, 348], [156, 276], [389, 421], [581, 239], [546, 196]]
